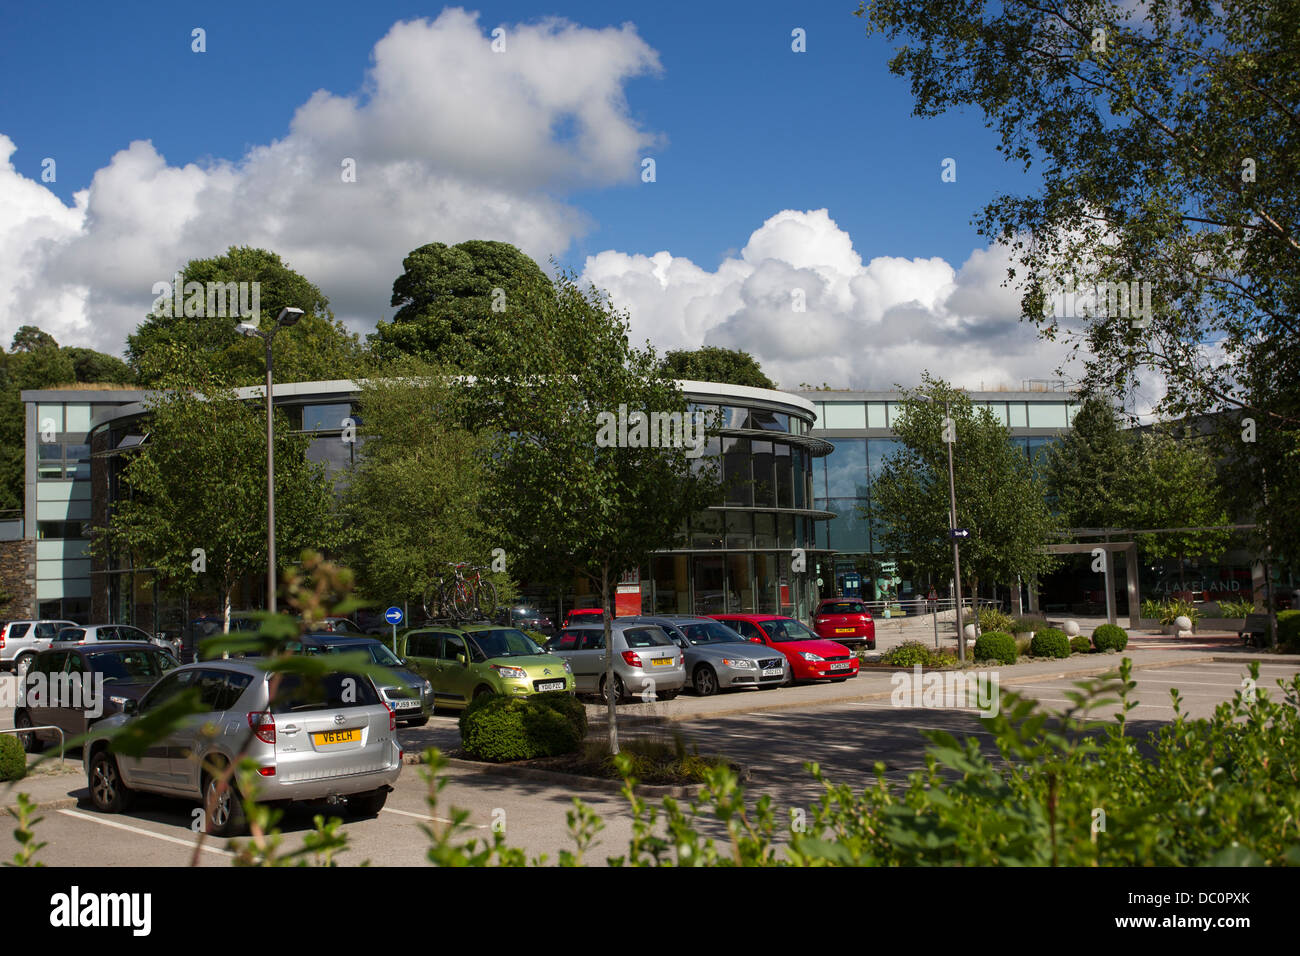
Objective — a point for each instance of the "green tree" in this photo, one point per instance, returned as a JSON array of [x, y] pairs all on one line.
[[1088, 469], [412, 501], [448, 298], [205, 346], [199, 482], [1173, 484], [999, 498], [714, 364], [565, 499], [29, 338]]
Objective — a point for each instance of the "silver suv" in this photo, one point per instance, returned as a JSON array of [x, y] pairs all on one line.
[[111, 632], [647, 664], [21, 641], [334, 739], [718, 658]]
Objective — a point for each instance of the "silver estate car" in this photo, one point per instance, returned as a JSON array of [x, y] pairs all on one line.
[[647, 664], [312, 742], [717, 658]]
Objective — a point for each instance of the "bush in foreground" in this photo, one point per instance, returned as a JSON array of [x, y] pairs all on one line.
[[996, 646], [1110, 637], [1050, 642], [13, 759], [1080, 645], [498, 729]]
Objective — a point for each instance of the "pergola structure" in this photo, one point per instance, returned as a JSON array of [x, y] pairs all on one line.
[[1108, 549]]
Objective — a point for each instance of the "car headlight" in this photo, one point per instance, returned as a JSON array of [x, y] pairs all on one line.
[[737, 662], [510, 673], [120, 701], [809, 656]]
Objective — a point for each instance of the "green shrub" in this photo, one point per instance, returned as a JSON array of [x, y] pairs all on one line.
[[13, 759], [908, 654], [1110, 637], [996, 646], [1152, 609], [568, 707], [1288, 631], [503, 728], [991, 619], [1050, 642], [1236, 608], [1080, 645], [1022, 645], [1170, 611]]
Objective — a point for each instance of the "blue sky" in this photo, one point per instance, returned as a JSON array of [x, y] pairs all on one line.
[[741, 128]]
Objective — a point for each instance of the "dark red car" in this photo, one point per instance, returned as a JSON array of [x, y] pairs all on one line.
[[811, 657], [845, 620]]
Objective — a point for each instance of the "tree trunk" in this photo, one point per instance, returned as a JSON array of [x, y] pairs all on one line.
[[610, 680]]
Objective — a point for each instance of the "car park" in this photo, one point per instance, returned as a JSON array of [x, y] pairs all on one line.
[[811, 657], [648, 665], [324, 740], [74, 686], [717, 657], [21, 641], [583, 615], [845, 621], [466, 662], [525, 619], [409, 694]]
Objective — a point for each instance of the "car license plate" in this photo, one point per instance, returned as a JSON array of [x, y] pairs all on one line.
[[406, 704], [551, 685], [840, 666], [844, 630], [336, 737], [772, 671], [662, 662]]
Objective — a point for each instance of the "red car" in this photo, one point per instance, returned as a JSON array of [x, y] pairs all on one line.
[[811, 657], [584, 615], [845, 620]]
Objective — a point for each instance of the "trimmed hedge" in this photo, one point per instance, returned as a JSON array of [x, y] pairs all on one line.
[[908, 654], [567, 706], [1110, 637], [1080, 645], [1050, 642], [498, 729], [1288, 631], [996, 646], [13, 759]]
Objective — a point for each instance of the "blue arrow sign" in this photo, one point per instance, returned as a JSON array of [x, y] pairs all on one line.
[[959, 532], [393, 616]]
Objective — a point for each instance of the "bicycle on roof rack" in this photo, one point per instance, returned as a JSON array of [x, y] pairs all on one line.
[[462, 594]]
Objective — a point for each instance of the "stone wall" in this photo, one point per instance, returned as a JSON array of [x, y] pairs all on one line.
[[18, 579]]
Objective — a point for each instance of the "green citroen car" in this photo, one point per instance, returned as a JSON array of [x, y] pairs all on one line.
[[465, 662]]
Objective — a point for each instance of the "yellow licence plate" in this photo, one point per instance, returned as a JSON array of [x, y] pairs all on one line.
[[662, 662], [336, 737], [844, 630]]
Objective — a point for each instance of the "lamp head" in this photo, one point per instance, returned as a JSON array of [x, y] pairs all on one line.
[[288, 316], [247, 328]]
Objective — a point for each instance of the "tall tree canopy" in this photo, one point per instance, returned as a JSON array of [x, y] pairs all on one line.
[[714, 364], [1166, 137], [449, 296], [209, 346]]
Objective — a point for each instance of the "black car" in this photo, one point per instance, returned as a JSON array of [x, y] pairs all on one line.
[[408, 694], [75, 686]]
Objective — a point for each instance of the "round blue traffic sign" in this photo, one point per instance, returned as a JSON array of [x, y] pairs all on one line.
[[393, 615]]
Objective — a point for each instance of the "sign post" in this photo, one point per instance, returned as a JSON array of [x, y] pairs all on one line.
[[394, 617]]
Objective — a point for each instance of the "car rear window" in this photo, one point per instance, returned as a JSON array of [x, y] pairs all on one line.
[[844, 607], [709, 633], [647, 637], [332, 692]]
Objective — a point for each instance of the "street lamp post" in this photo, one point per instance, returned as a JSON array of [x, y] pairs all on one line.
[[952, 527], [288, 316]]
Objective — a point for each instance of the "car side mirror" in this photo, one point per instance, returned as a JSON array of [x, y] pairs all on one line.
[[130, 706], [757, 640], [462, 660]]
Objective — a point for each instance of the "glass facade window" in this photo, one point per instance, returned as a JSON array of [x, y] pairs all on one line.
[[76, 418], [325, 417], [1047, 415], [49, 418], [735, 472], [876, 417], [784, 476], [797, 457], [997, 409], [764, 475], [706, 530], [846, 469], [845, 415], [1017, 416], [785, 531], [710, 595], [849, 531], [767, 574], [895, 410], [765, 531], [878, 450], [671, 584], [740, 583], [740, 529], [768, 421]]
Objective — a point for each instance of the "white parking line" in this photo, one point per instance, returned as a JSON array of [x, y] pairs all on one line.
[[426, 817], [189, 844]]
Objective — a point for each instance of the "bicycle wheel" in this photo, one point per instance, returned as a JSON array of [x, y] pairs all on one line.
[[486, 596], [462, 600]]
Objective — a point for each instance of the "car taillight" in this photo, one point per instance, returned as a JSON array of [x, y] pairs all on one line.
[[632, 658], [266, 771], [262, 723], [392, 718]]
